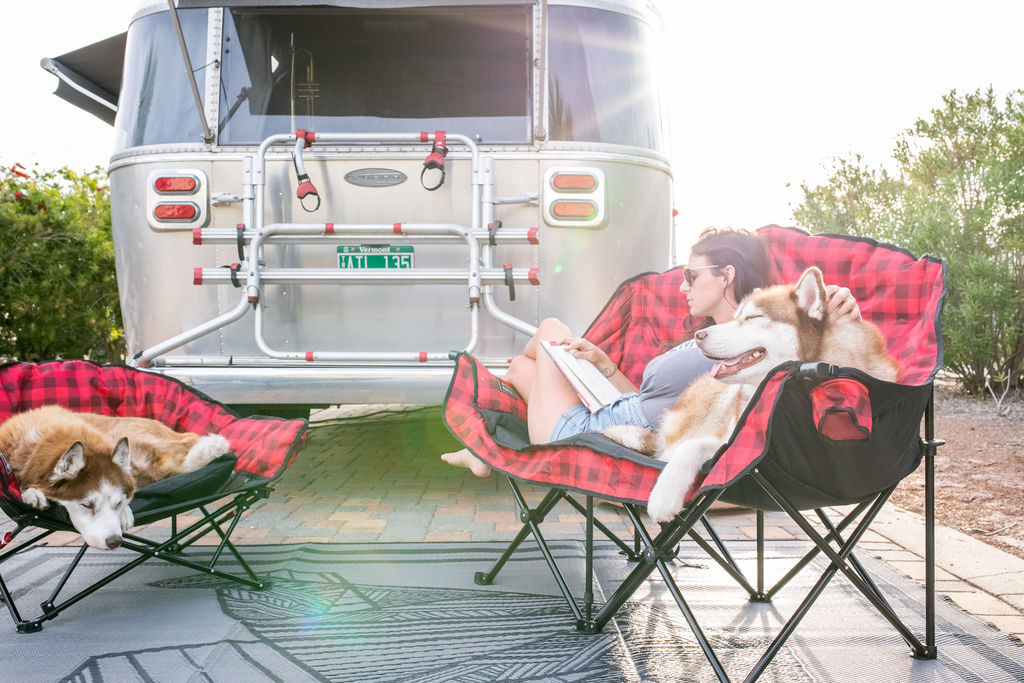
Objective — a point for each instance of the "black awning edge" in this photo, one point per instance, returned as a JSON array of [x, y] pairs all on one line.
[[82, 93], [90, 77]]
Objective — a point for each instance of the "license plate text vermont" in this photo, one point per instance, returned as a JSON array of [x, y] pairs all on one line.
[[375, 256]]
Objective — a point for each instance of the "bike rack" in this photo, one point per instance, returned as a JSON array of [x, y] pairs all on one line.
[[480, 276]]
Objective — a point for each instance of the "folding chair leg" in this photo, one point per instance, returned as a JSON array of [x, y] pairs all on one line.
[[720, 554], [656, 557], [815, 551], [632, 554], [22, 625], [930, 445], [525, 514], [839, 563]]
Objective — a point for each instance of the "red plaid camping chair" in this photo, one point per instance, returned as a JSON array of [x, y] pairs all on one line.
[[261, 449], [813, 436]]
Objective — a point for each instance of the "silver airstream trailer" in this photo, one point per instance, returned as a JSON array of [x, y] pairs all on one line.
[[318, 202]]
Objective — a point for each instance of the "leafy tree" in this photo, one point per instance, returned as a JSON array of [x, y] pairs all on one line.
[[59, 290], [956, 191]]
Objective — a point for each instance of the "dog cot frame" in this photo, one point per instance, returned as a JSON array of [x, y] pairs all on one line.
[[656, 552], [221, 492]]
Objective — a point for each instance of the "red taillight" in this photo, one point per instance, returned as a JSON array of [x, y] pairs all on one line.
[[185, 211], [574, 209], [582, 182], [183, 183]]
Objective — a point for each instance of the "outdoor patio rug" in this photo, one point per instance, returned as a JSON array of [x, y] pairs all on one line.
[[411, 612]]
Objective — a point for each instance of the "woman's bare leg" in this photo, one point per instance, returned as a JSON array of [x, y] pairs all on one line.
[[523, 374], [550, 394]]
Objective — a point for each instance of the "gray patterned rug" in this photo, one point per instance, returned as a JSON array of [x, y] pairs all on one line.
[[411, 612]]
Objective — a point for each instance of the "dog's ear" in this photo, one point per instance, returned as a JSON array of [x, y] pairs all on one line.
[[70, 464], [122, 456], [810, 293]]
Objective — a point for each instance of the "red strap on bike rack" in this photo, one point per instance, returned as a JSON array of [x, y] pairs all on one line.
[[307, 135], [532, 235], [435, 160], [305, 187], [197, 276], [534, 276], [309, 356], [197, 235], [423, 356], [329, 228], [397, 228]]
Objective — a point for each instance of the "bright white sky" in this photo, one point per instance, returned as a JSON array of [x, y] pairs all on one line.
[[764, 94]]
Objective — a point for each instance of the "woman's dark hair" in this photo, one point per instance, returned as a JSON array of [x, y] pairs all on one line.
[[737, 248], [740, 249]]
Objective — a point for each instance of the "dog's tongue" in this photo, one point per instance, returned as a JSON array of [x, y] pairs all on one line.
[[724, 369], [730, 367]]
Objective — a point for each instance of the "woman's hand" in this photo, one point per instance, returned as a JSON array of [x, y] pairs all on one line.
[[841, 302], [581, 348]]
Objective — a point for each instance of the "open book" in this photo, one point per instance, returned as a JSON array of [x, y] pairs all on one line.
[[594, 389]]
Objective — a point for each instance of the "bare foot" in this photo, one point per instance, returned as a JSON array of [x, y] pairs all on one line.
[[466, 459]]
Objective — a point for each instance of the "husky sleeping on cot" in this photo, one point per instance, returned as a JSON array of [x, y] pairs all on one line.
[[92, 464]]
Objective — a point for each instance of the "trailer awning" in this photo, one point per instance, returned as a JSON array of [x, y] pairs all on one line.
[[90, 77]]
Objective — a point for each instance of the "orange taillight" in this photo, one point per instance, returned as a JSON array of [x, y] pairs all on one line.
[[580, 182], [570, 209], [173, 184], [178, 211]]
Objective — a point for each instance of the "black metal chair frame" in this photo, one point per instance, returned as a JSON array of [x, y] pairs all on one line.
[[655, 553], [172, 549]]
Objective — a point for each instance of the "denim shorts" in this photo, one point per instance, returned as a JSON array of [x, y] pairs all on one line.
[[578, 419]]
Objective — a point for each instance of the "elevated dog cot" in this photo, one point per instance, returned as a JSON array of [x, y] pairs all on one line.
[[814, 436], [261, 450]]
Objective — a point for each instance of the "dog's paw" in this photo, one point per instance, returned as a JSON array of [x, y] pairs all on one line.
[[34, 497], [635, 438], [127, 518], [665, 502], [682, 469], [205, 450]]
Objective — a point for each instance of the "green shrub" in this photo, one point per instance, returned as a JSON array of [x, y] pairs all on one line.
[[956, 191], [57, 279]]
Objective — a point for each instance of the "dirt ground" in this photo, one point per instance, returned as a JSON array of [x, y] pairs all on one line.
[[979, 473]]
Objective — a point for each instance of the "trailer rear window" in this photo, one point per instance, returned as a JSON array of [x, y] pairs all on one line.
[[355, 71], [602, 83]]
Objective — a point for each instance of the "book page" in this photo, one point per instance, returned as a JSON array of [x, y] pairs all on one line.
[[594, 389]]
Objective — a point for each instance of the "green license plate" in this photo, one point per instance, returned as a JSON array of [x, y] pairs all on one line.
[[374, 256]]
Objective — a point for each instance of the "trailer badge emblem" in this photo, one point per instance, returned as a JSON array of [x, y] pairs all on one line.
[[375, 177]]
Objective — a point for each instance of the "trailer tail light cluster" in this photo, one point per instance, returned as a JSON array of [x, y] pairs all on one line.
[[574, 197], [177, 199]]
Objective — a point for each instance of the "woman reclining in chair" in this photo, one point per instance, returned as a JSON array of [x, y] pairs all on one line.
[[724, 267]]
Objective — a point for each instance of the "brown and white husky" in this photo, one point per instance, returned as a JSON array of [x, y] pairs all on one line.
[[771, 326], [92, 464]]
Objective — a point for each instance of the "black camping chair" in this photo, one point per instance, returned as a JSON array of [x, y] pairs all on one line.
[[814, 436], [261, 449]]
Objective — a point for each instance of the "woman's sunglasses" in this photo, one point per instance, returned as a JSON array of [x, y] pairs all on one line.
[[689, 275]]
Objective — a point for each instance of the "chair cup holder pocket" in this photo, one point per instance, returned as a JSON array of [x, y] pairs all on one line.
[[842, 410]]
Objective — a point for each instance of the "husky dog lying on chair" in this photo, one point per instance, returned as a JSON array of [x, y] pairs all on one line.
[[771, 326], [92, 464]]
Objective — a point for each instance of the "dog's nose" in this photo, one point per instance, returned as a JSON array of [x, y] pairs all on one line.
[[700, 334], [113, 542]]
